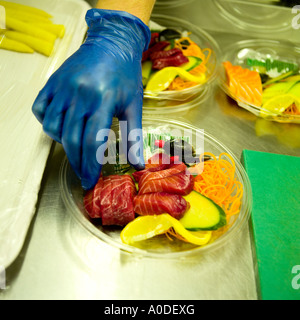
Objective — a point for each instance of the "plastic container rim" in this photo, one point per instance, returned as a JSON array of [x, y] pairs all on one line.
[[198, 100], [173, 3], [245, 25]]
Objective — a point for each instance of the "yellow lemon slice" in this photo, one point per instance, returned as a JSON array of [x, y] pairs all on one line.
[[143, 228], [280, 103], [162, 79], [147, 227], [277, 89]]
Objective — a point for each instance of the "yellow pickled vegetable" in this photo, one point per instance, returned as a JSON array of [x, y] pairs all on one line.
[[12, 45], [162, 79], [29, 29], [26, 16], [147, 227], [24, 8], [57, 29], [41, 46]]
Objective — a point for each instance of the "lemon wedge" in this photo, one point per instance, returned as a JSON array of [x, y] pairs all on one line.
[[277, 89], [147, 227], [162, 79], [280, 103]]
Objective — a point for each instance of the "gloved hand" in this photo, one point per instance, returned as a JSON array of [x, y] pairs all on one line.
[[102, 80]]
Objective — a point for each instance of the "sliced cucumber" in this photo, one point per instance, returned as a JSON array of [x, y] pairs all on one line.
[[192, 64], [146, 72], [279, 78], [203, 214]]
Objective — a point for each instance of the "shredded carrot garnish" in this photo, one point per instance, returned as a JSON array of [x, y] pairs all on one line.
[[180, 84], [172, 233], [198, 70], [217, 181], [292, 110]]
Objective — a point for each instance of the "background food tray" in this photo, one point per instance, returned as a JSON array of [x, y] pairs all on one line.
[[24, 146]]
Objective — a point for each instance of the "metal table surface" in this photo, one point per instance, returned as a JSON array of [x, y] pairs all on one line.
[[61, 260]]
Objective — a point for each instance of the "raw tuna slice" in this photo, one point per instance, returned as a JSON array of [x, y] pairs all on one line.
[[96, 199], [122, 192], [160, 161], [106, 199], [92, 200], [160, 203], [181, 184], [88, 201], [171, 171]]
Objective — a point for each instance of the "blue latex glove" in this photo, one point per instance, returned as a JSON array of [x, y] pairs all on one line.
[[102, 80]]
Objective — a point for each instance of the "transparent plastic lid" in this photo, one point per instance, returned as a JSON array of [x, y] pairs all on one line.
[[255, 16], [166, 4], [203, 40], [158, 247], [153, 106], [277, 63]]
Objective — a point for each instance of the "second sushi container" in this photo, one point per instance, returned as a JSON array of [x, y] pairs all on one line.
[[179, 67]]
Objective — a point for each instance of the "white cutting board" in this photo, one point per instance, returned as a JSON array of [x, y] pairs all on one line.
[[24, 148]]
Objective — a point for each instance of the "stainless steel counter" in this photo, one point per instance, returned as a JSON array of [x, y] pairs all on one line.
[[61, 260]]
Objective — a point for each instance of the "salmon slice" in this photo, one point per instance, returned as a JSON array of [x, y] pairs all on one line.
[[160, 203], [181, 184], [244, 84], [158, 162], [171, 171]]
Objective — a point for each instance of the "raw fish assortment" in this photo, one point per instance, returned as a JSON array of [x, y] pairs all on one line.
[[187, 202], [173, 62], [270, 85]]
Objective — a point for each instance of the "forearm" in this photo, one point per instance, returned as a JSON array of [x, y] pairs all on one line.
[[139, 8]]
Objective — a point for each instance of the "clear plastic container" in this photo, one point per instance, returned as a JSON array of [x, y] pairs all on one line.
[[152, 106], [166, 4], [159, 247], [204, 40], [237, 55], [255, 16]]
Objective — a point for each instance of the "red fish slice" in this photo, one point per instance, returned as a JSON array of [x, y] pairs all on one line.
[[165, 54], [181, 184], [92, 200], [160, 161], [121, 207], [88, 202], [160, 203], [172, 170], [106, 199], [173, 61], [159, 46]]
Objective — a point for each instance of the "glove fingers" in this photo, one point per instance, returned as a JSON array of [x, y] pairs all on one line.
[[42, 101], [134, 134], [54, 118], [94, 145], [72, 132]]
